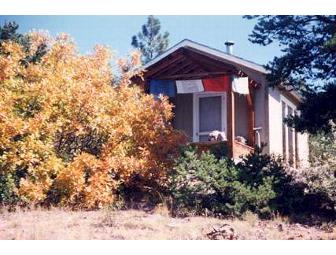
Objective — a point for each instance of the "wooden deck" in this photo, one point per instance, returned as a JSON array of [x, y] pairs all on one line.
[[238, 149]]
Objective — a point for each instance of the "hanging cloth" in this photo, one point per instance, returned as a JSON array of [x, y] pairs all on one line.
[[189, 86], [217, 84], [240, 85], [164, 87]]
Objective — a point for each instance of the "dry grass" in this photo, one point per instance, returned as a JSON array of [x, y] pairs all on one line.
[[134, 224]]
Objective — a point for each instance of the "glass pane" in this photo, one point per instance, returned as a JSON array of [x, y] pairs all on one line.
[[210, 112], [290, 139], [297, 159], [284, 128]]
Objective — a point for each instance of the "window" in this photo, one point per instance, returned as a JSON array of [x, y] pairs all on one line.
[[284, 131], [291, 145], [289, 135], [296, 146]]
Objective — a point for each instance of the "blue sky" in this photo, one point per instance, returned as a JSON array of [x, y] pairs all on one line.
[[116, 31]]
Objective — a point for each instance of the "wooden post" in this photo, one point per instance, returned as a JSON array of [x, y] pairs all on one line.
[[146, 86], [230, 121], [250, 118]]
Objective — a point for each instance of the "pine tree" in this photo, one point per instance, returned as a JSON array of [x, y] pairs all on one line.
[[150, 41], [9, 32], [308, 64]]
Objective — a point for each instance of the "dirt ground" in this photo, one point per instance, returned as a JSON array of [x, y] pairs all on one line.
[[135, 224]]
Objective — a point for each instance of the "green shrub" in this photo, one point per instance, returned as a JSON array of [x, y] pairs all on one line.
[[322, 147], [259, 183], [320, 187], [7, 189], [289, 194], [203, 183], [320, 178]]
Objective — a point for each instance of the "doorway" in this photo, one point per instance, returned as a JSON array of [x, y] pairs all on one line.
[[209, 114]]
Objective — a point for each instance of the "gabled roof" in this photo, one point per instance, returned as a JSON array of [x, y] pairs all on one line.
[[230, 59], [227, 61]]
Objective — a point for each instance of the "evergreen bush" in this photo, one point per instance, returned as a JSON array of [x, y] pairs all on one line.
[[202, 183]]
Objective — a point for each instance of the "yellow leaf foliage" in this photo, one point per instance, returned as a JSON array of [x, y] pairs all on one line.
[[70, 133]]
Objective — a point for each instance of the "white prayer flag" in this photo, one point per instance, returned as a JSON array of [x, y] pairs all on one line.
[[189, 86], [240, 85]]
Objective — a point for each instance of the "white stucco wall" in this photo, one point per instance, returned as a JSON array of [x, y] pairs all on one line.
[[275, 127], [275, 121]]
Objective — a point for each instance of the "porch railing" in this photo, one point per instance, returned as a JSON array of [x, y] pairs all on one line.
[[239, 149]]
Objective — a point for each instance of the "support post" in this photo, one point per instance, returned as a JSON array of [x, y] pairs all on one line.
[[250, 118], [231, 121]]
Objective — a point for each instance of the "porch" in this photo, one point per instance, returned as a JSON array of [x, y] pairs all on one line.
[[197, 114]]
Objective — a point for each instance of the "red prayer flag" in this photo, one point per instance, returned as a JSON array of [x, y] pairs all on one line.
[[217, 84]]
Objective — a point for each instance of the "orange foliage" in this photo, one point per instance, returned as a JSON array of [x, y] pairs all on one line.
[[74, 134]]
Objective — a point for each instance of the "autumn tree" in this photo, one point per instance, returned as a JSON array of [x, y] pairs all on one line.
[[67, 136], [308, 64], [150, 41]]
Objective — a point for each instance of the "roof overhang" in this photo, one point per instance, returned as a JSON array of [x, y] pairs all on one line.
[[210, 52], [291, 93], [175, 63]]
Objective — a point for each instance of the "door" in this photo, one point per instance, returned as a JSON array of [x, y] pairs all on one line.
[[209, 114]]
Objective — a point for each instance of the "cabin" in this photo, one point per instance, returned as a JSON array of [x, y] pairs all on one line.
[[219, 97]]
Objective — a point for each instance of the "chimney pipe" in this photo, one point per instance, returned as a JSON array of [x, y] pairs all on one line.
[[229, 47]]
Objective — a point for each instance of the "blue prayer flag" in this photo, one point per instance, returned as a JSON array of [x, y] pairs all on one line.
[[164, 87]]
